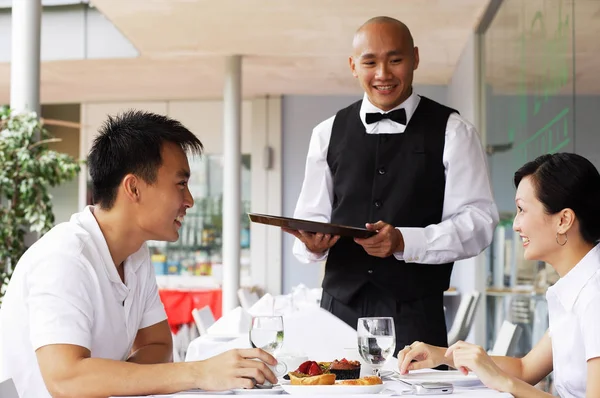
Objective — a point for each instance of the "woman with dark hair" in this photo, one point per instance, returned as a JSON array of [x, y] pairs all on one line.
[[558, 219]]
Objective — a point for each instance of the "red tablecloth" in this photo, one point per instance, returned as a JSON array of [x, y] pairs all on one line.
[[180, 303]]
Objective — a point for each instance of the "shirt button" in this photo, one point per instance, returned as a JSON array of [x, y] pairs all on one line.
[[370, 271], [378, 203], [381, 171]]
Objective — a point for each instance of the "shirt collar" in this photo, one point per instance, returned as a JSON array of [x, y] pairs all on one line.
[[87, 220], [409, 105], [568, 287]]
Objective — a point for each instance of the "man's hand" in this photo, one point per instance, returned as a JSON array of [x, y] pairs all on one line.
[[386, 242], [235, 369], [315, 243]]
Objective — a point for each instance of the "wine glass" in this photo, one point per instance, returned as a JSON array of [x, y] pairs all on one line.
[[376, 340], [266, 333]]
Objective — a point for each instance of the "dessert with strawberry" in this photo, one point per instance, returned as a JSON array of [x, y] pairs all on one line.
[[312, 373]]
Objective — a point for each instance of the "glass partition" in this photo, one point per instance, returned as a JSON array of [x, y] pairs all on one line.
[[542, 95]]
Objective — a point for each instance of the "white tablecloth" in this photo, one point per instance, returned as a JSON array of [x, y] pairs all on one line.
[[463, 393]]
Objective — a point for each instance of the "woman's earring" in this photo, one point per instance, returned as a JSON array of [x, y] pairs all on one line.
[[566, 239]]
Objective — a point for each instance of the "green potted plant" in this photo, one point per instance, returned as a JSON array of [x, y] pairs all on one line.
[[27, 169]]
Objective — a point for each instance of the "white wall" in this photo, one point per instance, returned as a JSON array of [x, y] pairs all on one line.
[[300, 114], [64, 196], [464, 95], [266, 244]]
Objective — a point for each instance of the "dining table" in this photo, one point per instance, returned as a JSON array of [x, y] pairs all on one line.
[[318, 335]]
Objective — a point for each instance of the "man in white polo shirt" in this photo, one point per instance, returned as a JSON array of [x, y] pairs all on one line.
[[82, 315]]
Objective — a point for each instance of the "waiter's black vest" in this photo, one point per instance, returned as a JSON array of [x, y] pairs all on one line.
[[397, 178]]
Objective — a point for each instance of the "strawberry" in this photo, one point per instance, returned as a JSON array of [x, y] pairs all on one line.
[[303, 368], [314, 369]]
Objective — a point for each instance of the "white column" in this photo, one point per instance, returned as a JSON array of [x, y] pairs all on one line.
[[232, 103], [25, 56]]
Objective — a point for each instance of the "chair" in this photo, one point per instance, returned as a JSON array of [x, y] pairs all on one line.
[[176, 354], [247, 298], [8, 389], [203, 318], [464, 318], [471, 317], [507, 339]]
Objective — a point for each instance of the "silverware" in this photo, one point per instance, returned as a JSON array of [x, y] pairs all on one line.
[[265, 387], [412, 387]]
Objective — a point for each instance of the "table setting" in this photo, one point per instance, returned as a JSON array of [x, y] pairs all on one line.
[[296, 335]]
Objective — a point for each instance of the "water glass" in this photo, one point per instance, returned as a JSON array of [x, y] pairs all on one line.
[[376, 340], [266, 333]]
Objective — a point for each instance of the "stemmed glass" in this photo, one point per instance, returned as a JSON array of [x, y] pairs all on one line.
[[266, 333], [376, 340]]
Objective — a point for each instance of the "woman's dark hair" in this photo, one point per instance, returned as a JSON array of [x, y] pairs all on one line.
[[567, 180], [130, 143]]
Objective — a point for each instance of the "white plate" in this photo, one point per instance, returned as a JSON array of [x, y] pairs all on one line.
[[332, 389], [448, 376], [194, 393], [258, 391]]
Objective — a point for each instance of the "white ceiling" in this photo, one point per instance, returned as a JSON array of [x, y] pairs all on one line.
[[288, 47]]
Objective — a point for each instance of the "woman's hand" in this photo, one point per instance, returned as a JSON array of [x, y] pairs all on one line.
[[425, 355], [472, 357]]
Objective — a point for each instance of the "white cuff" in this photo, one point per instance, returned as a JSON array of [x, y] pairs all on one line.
[[415, 244], [306, 256]]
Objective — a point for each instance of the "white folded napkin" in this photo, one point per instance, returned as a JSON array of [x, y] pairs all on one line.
[[304, 297], [264, 306], [233, 323]]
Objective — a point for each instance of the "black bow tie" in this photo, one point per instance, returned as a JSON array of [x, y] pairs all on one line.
[[398, 116]]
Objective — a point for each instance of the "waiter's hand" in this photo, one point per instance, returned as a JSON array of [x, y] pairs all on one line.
[[386, 242], [315, 243]]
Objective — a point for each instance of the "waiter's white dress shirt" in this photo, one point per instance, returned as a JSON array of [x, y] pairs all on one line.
[[469, 215]]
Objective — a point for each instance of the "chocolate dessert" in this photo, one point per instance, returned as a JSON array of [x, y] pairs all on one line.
[[345, 370]]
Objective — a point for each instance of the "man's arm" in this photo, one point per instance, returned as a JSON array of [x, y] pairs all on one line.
[[592, 388], [469, 214], [153, 344], [68, 371]]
